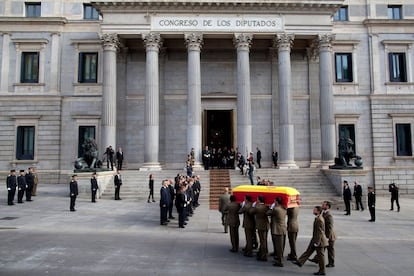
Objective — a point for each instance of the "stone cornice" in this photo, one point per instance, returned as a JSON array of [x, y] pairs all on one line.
[[33, 20], [250, 5], [389, 22]]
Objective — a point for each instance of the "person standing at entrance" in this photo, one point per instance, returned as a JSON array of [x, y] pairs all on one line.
[[73, 187], [358, 196], [206, 158], [251, 172], [119, 158], [30, 184], [347, 198], [109, 152], [11, 187], [258, 157], [275, 157], [94, 186], [118, 184]]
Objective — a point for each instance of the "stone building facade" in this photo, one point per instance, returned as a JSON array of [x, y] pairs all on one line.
[[161, 77]]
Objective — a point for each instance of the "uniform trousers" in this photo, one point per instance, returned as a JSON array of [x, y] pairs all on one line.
[[262, 254], [249, 241], [29, 190], [320, 255], [331, 252], [10, 196], [372, 212], [279, 246], [93, 195], [234, 238], [292, 236], [72, 202], [20, 194]]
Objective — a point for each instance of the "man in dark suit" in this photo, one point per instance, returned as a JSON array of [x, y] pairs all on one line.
[[180, 204], [278, 229], [94, 186], [109, 152], [275, 157], [29, 177], [11, 186], [318, 242], [358, 196], [119, 158], [248, 225], [206, 158], [293, 229], [371, 203], [347, 195], [164, 202], [171, 190], [262, 225], [393, 189], [21, 186], [118, 184], [233, 221], [73, 187], [258, 157]]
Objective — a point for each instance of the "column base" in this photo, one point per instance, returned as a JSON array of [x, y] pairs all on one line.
[[287, 165], [326, 164], [315, 164], [151, 166]]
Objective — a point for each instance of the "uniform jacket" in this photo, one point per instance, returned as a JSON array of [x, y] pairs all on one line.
[[117, 180], [357, 191], [278, 221], [292, 224], [347, 194], [11, 182], [94, 184], [232, 209], [248, 219], [119, 155], [21, 182], [318, 238], [371, 199], [260, 212], [171, 190], [223, 201], [29, 179], [73, 186], [329, 225]]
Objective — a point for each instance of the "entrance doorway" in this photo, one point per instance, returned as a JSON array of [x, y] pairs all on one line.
[[219, 129]]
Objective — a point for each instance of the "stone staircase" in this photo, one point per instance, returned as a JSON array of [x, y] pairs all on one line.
[[135, 185], [313, 185], [219, 179]]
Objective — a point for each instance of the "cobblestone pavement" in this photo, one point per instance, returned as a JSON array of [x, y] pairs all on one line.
[[124, 238]]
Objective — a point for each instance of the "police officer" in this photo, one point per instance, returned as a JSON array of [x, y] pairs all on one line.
[[21, 186], [73, 186], [94, 186], [11, 187]]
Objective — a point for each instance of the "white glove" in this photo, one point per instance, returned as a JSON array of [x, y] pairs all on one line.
[[272, 206], [254, 204], [8, 189], [243, 203]]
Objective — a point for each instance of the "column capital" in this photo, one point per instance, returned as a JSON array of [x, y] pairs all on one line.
[[193, 41], [325, 41], [283, 41], [312, 50], [110, 40], [152, 40], [243, 41]]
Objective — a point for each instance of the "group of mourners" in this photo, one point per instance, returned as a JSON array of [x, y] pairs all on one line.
[[184, 192], [256, 222]]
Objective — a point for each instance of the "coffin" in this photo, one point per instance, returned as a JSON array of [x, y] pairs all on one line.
[[290, 196]]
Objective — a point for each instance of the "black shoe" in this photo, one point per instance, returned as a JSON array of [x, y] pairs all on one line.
[[233, 250], [181, 226], [72, 210], [29, 200], [278, 264], [391, 209], [171, 217], [290, 258], [330, 265], [398, 209], [153, 200], [297, 263], [148, 201], [164, 223], [20, 202], [319, 273], [313, 260]]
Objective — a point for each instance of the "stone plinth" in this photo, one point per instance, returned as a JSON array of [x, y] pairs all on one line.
[[337, 178], [84, 183]]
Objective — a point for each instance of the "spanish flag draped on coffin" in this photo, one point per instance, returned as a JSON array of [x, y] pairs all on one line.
[[290, 196]]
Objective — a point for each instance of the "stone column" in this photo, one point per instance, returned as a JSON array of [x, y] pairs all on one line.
[[152, 43], [244, 105], [194, 43], [284, 43], [110, 48], [55, 64], [326, 105], [5, 64]]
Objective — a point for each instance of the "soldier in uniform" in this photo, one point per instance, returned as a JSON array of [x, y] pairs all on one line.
[[262, 225], [73, 188], [371, 203], [223, 201], [318, 242], [35, 182], [94, 186], [30, 184], [233, 221], [293, 229], [248, 225], [21, 186], [278, 230], [11, 182]]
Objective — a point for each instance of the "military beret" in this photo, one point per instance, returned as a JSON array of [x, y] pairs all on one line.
[[21, 170], [12, 170]]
